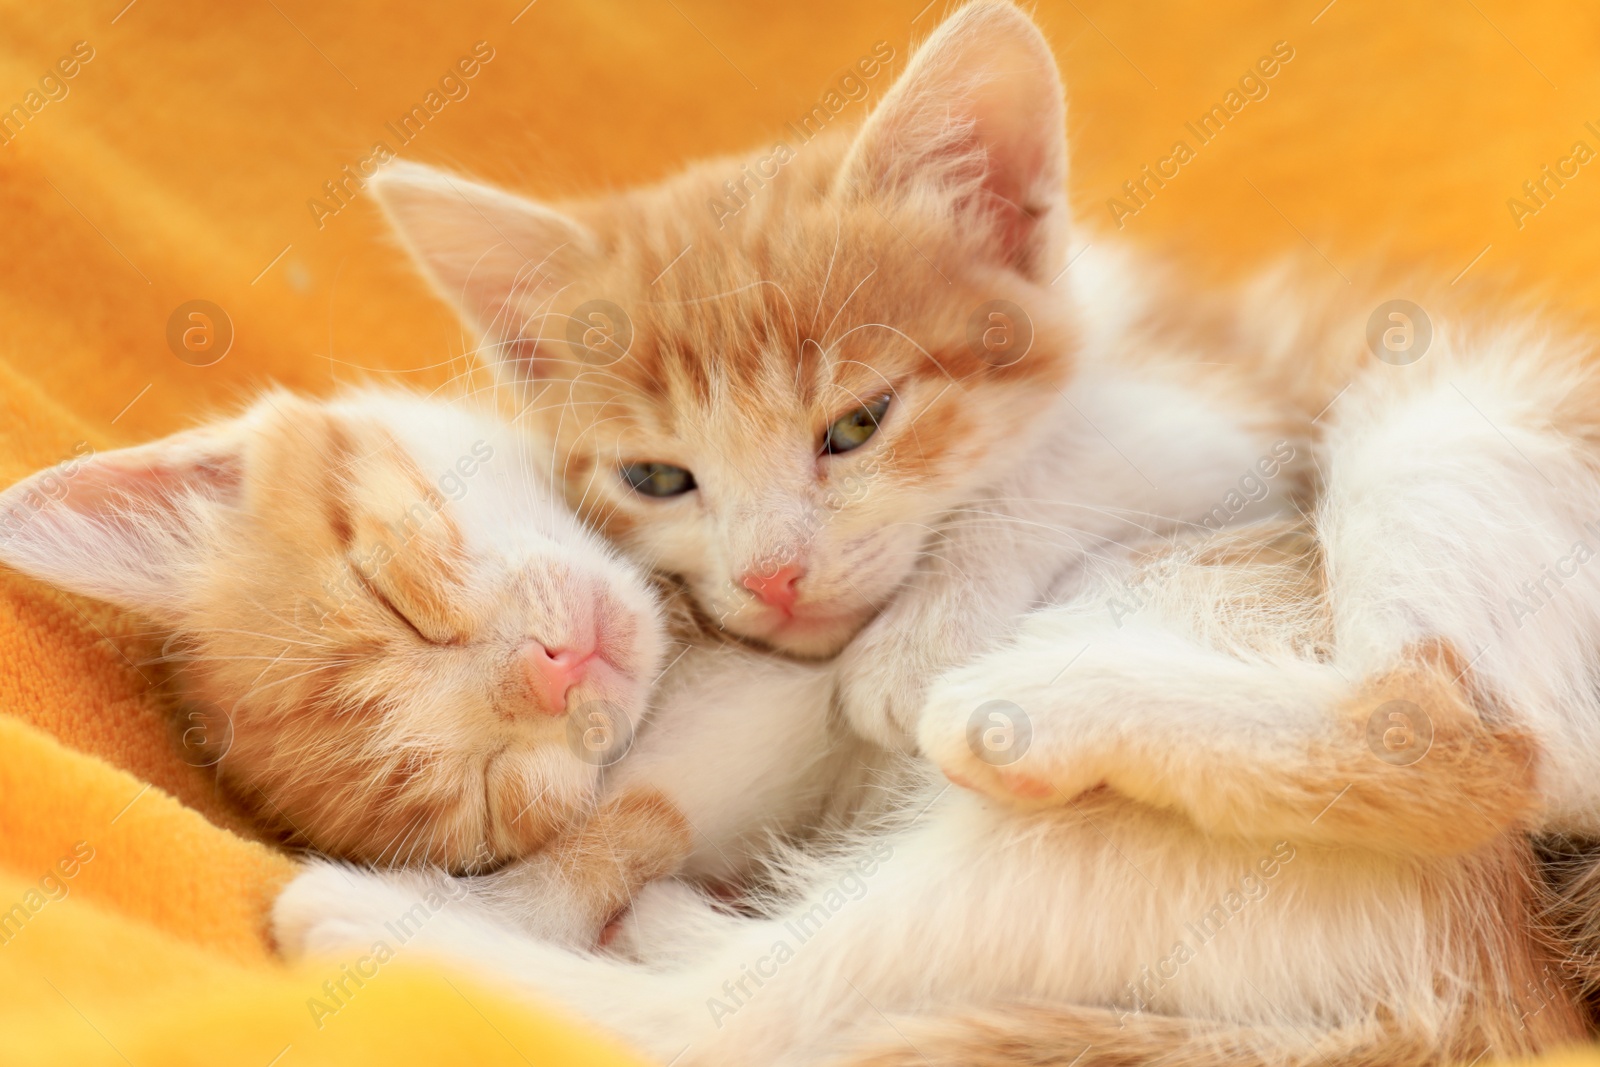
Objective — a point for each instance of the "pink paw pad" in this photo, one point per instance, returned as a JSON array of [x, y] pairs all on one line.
[[1024, 785]]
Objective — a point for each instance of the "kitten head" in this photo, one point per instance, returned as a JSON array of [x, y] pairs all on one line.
[[397, 646], [770, 377]]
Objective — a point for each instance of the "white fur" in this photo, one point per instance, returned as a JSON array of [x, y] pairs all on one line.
[[1432, 514], [1122, 457], [1446, 485]]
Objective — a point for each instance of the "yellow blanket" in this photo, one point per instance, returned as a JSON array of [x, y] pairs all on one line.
[[162, 152]]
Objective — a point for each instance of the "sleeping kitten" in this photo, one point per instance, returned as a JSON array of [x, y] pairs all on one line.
[[1262, 883], [381, 619], [874, 398], [403, 649]]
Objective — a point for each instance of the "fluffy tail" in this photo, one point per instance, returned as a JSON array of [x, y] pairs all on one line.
[[1056, 1036]]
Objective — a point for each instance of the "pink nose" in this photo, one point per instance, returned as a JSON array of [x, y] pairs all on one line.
[[552, 672], [777, 588]]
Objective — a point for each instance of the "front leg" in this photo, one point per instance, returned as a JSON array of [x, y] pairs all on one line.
[[986, 564], [1260, 738], [939, 621], [345, 913], [1175, 458], [569, 891]]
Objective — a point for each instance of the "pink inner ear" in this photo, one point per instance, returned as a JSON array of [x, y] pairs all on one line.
[[103, 485], [492, 255], [1013, 205], [110, 526], [1024, 162], [983, 88]]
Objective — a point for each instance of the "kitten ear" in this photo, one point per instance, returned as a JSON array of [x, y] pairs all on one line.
[[976, 129], [494, 256], [127, 526]]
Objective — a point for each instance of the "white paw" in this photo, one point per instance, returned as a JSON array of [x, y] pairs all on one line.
[[317, 913], [1007, 726], [331, 908], [881, 679]]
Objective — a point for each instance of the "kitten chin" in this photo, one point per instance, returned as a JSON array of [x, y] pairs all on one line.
[[393, 644], [807, 634]]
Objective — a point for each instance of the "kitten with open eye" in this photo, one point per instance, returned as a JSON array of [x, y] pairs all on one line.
[[382, 619], [873, 400]]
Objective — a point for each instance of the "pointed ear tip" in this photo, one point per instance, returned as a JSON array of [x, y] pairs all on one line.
[[408, 168], [996, 15], [999, 27], [401, 176]]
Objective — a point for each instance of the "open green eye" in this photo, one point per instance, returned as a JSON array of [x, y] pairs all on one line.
[[855, 428], [657, 479]]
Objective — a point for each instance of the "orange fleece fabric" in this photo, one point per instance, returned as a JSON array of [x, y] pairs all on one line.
[[169, 151]]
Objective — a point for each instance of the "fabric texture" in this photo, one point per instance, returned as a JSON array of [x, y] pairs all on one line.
[[162, 152]]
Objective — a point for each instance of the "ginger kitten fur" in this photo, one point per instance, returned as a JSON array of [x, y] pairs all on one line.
[[379, 619]]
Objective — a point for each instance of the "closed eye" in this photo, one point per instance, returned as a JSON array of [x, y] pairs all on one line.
[[379, 595]]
